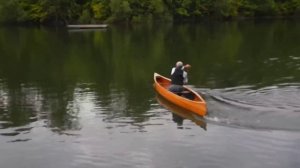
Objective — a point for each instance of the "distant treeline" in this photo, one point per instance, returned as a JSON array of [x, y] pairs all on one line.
[[97, 11]]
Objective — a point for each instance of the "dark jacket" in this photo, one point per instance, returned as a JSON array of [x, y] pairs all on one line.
[[177, 76]]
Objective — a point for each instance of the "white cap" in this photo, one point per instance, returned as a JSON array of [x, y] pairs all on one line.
[[179, 64]]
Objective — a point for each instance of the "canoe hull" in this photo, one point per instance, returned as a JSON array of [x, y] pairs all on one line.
[[198, 105]]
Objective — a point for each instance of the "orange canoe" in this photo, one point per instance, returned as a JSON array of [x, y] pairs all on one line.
[[197, 105]]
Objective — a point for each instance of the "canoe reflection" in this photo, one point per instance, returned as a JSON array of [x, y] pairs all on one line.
[[179, 114]]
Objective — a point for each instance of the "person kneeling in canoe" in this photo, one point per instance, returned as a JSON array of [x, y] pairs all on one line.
[[179, 78]]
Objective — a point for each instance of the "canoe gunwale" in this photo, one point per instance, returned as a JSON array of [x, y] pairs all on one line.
[[201, 101]]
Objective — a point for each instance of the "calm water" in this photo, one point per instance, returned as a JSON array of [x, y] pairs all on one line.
[[84, 99]]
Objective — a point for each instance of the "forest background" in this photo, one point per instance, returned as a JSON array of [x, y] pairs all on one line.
[[61, 12]]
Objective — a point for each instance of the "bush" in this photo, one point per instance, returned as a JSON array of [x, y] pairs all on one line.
[[85, 17], [121, 10], [6, 14]]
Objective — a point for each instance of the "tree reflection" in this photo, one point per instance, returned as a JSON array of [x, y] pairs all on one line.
[[42, 69]]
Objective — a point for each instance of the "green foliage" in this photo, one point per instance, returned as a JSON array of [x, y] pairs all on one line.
[[85, 17], [193, 9], [60, 10], [6, 8], [182, 7], [157, 7], [33, 12], [100, 9], [39, 11], [247, 8], [91, 11], [289, 7], [226, 8], [121, 10], [265, 7]]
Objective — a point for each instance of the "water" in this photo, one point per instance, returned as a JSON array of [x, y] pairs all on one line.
[[85, 98]]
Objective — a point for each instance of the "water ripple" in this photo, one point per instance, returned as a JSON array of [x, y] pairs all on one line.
[[274, 107]]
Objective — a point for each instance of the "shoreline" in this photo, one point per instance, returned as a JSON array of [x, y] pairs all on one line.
[[153, 22]]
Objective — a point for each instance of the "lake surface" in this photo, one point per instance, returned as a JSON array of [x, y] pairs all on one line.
[[84, 99]]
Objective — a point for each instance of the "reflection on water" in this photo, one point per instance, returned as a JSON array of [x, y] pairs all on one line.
[[61, 111], [179, 114], [85, 99]]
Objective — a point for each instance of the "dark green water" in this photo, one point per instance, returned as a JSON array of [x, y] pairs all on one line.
[[78, 99]]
